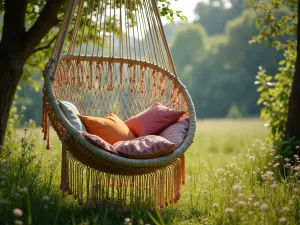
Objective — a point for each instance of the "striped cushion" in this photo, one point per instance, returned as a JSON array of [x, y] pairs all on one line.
[[176, 133], [99, 142], [146, 147]]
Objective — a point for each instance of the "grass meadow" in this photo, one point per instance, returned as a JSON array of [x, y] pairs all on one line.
[[231, 178]]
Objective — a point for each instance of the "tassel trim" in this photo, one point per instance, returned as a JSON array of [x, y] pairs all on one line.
[[121, 192]]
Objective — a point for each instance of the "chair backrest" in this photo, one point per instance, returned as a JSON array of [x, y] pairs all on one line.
[[100, 86]]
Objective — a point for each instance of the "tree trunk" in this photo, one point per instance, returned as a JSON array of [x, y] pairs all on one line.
[[293, 122], [11, 69]]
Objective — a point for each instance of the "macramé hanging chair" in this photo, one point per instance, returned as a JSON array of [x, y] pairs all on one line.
[[112, 56]]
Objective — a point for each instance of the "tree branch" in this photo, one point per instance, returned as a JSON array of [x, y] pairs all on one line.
[[268, 22], [14, 23], [46, 21], [45, 46]]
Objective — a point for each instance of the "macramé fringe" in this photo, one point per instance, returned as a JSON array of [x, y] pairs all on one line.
[[121, 192]]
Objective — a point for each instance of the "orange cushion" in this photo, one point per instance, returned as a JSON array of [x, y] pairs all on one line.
[[111, 129]]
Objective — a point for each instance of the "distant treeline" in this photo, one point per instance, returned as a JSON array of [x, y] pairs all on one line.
[[213, 58]]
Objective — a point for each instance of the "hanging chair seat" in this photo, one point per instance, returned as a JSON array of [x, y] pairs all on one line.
[[125, 68], [78, 81]]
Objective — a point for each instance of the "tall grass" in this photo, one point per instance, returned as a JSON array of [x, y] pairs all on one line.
[[231, 179]]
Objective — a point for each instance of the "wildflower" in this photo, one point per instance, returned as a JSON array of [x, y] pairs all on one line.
[[273, 151], [264, 207], [296, 190], [46, 198], [282, 220], [17, 212], [268, 175], [127, 220], [297, 168], [23, 108], [241, 203], [288, 165], [251, 157], [285, 209], [276, 165], [229, 210], [202, 162], [274, 185], [18, 222], [297, 147], [286, 159], [216, 205]]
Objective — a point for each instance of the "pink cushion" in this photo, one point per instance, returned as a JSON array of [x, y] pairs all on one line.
[[99, 142], [146, 147], [176, 133], [153, 120]]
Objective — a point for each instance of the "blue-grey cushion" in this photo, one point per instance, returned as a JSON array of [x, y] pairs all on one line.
[[70, 111]]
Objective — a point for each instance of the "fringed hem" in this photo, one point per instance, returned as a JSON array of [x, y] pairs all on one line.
[[45, 120], [121, 192]]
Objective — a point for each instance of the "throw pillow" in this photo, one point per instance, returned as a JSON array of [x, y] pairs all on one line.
[[111, 129], [146, 147], [153, 120], [70, 111]]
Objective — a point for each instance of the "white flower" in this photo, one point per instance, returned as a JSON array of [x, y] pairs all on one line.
[[241, 203], [46, 198], [127, 220], [256, 204], [282, 220], [264, 207], [297, 168], [268, 175], [18, 222], [229, 210], [276, 165], [237, 187], [285, 209], [216, 205], [251, 157], [17, 212]]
